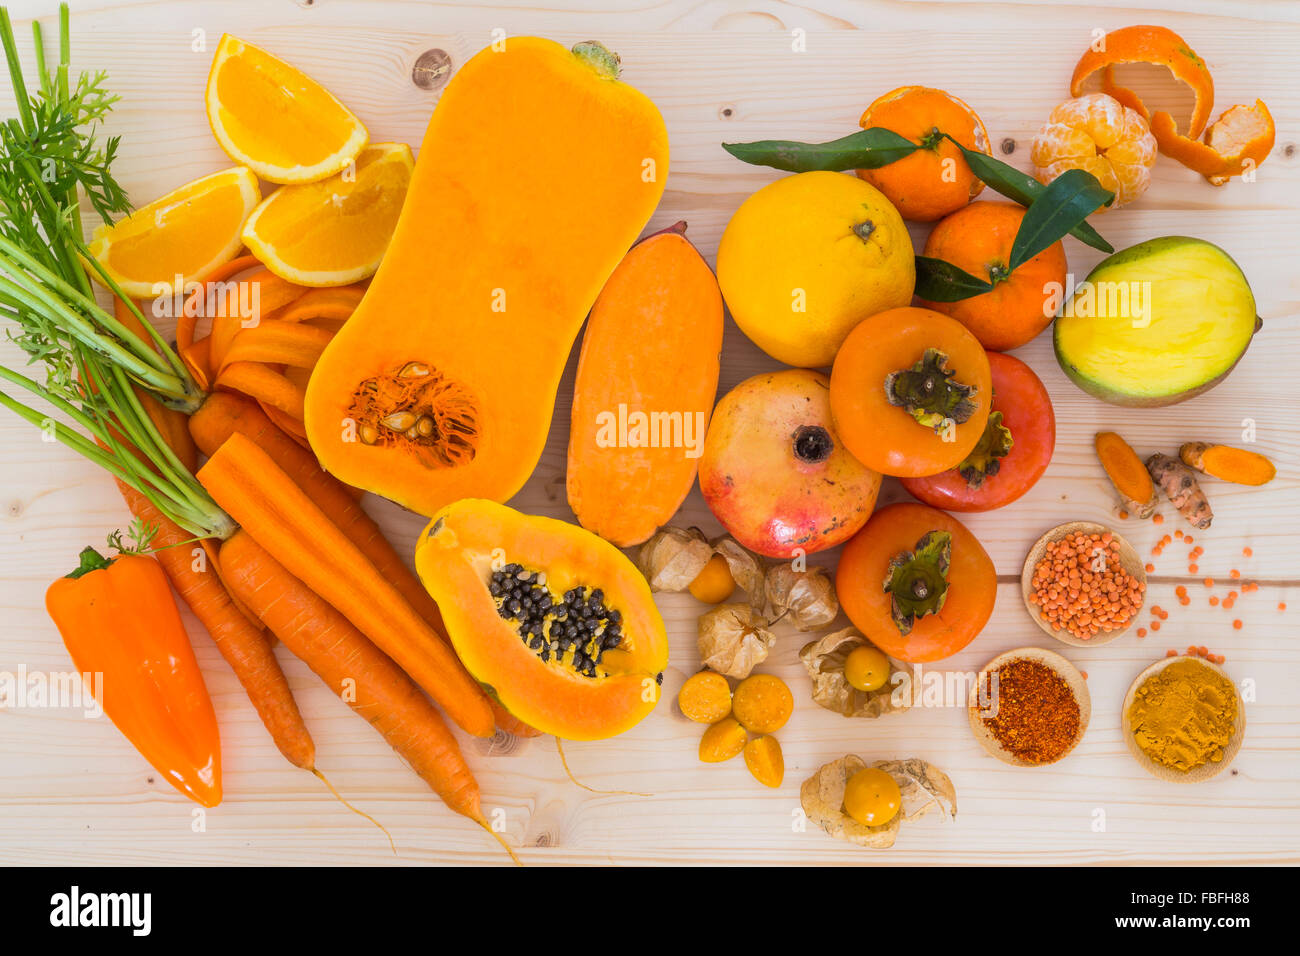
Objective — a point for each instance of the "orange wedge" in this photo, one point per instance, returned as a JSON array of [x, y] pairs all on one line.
[[276, 120], [335, 231], [186, 233]]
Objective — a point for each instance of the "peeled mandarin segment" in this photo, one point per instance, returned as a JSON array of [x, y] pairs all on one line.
[[1057, 141], [1098, 134], [1148, 44], [274, 119], [184, 234], [336, 231]]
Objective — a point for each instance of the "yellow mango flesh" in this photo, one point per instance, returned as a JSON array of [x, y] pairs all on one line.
[[1156, 323]]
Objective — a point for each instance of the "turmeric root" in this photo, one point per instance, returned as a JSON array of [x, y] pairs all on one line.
[[1181, 488], [1126, 472], [1227, 463]]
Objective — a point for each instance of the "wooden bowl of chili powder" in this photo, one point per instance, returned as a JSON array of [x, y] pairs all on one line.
[[1083, 584], [1029, 707]]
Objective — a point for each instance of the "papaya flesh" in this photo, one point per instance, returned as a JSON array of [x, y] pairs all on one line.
[[538, 171], [556, 621]]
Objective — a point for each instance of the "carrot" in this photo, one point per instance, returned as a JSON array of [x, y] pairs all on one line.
[[223, 414], [246, 482], [245, 648], [367, 680]]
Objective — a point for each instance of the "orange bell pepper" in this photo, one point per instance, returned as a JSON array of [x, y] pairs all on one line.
[[118, 619]]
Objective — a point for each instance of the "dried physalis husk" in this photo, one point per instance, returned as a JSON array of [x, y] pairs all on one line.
[[923, 788], [734, 639], [746, 569], [674, 557], [804, 598], [824, 660]]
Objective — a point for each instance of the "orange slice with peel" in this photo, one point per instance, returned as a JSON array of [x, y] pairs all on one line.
[[335, 231], [276, 120], [1238, 141], [186, 233]]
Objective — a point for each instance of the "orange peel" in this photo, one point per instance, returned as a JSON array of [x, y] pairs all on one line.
[[1159, 46], [1238, 141]]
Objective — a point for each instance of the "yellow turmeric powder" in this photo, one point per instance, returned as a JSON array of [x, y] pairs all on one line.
[[1184, 715]]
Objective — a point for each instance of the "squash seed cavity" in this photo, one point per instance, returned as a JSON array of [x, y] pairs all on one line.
[[574, 629], [420, 411]]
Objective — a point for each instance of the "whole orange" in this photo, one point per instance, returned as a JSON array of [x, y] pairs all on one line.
[[978, 239], [934, 180]]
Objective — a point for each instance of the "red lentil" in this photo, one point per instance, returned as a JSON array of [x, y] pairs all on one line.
[[1071, 596]]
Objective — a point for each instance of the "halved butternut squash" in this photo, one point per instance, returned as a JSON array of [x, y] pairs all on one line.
[[538, 170], [554, 620]]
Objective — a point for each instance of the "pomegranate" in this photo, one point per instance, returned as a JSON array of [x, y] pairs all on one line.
[[775, 474]]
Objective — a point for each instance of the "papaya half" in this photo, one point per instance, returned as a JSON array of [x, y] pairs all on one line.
[[557, 623], [538, 171]]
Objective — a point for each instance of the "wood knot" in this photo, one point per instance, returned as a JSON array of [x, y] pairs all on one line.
[[726, 112], [499, 744], [1008, 146], [432, 69]]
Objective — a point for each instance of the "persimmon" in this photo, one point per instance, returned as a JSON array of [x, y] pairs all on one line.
[[978, 240], [939, 583], [1011, 456], [935, 180], [910, 392]]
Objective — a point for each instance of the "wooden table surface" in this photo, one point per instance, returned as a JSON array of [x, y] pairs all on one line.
[[73, 790]]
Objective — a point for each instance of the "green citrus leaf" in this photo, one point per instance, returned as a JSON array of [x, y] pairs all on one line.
[[1068, 200], [1022, 188], [940, 281], [865, 149]]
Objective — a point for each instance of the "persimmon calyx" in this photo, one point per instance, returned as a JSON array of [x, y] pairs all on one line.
[[917, 580], [928, 392], [985, 459]]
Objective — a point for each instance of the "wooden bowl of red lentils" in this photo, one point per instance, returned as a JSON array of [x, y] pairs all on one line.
[[1036, 710], [1083, 584]]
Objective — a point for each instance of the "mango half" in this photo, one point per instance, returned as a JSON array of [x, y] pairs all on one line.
[[1157, 323]]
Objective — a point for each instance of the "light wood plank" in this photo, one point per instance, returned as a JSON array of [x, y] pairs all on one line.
[[75, 784]]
